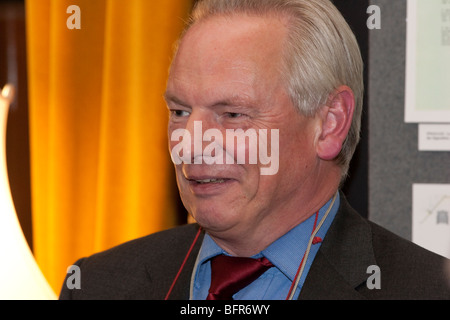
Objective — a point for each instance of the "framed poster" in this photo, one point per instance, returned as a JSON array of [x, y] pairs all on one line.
[[427, 88]]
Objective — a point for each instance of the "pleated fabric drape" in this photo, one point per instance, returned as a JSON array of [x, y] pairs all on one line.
[[100, 167]]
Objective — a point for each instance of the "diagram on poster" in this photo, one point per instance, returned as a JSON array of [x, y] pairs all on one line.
[[427, 95], [431, 217]]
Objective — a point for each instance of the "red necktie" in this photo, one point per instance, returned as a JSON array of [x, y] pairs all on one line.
[[231, 274]]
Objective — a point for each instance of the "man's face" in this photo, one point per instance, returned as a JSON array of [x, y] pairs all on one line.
[[226, 75]]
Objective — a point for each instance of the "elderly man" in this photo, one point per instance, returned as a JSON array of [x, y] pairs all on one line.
[[283, 77]]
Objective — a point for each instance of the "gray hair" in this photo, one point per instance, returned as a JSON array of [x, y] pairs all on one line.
[[321, 54]]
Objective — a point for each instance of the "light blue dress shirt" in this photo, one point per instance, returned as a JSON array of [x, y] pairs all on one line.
[[285, 254]]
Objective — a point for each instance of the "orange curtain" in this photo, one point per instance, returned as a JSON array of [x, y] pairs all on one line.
[[100, 167]]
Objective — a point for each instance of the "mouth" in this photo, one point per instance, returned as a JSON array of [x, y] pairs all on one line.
[[206, 181], [209, 186]]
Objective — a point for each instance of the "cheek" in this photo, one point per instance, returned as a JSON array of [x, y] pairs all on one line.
[[170, 143], [186, 196], [179, 177], [297, 151], [240, 146]]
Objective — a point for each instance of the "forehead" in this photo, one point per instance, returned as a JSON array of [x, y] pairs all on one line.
[[239, 48], [238, 37]]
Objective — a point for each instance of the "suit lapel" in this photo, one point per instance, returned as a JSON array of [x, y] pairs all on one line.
[[324, 282], [162, 275], [340, 265], [182, 286]]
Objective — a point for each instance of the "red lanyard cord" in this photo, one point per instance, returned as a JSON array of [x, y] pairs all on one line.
[[182, 265]]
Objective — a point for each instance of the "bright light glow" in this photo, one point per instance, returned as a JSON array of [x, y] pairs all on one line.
[[20, 276]]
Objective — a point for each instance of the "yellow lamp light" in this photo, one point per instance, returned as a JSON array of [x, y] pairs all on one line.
[[20, 276]]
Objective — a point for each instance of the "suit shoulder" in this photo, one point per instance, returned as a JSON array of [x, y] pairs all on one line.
[[390, 245], [124, 271], [404, 264], [171, 239]]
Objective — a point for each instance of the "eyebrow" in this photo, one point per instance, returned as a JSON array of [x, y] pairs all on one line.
[[168, 97], [234, 100]]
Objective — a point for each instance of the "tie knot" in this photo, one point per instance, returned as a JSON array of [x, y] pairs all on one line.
[[231, 274]]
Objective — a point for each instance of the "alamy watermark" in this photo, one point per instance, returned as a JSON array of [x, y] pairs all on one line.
[[74, 20], [374, 280], [236, 147], [373, 22], [73, 280]]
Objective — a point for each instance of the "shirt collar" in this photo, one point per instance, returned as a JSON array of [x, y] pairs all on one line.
[[286, 252]]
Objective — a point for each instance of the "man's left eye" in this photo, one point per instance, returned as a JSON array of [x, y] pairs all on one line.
[[234, 114]]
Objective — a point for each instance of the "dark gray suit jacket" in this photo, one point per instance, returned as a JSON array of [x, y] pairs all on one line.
[[145, 268]]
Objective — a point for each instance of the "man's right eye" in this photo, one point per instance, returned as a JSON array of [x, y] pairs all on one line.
[[180, 113]]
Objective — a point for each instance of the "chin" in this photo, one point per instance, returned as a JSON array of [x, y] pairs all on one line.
[[214, 220]]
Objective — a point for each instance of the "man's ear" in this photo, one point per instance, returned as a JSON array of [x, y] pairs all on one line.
[[336, 119]]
